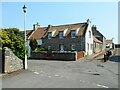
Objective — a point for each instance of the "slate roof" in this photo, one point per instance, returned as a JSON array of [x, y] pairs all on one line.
[[98, 35], [96, 40]]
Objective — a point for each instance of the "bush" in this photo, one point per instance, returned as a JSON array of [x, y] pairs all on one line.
[[11, 38], [40, 49], [33, 43]]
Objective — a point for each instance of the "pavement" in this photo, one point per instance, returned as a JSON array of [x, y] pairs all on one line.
[[65, 74], [93, 56]]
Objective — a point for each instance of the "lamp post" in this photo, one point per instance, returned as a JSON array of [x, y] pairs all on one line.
[[25, 61]]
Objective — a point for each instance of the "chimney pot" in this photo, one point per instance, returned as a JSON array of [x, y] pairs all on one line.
[[49, 26], [36, 26]]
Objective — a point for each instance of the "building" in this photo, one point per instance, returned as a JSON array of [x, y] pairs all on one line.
[[69, 37], [99, 41], [109, 43], [117, 45], [36, 33]]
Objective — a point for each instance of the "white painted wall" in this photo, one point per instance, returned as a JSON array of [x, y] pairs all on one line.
[[104, 44], [88, 40]]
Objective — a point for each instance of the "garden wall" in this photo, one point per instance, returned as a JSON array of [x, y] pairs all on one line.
[[11, 61], [69, 56]]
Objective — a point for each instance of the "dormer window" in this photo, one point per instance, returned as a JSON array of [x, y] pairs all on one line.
[[61, 34], [89, 34], [73, 34], [49, 35]]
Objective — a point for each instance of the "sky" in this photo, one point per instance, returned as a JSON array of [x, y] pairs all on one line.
[[102, 14]]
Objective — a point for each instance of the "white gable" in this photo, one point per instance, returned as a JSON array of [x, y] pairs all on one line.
[[65, 32], [77, 31], [53, 33]]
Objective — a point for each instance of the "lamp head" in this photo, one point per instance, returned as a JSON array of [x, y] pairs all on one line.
[[24, 9]]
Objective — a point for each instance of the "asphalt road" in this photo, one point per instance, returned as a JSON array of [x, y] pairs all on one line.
[[116, 57], [64, 74]]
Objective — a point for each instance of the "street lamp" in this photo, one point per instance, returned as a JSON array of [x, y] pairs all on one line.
[[25, 61]]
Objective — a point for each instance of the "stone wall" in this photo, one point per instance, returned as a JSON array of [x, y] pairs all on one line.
[[69, 56], [67, 42], [54, 56], [11, 61]]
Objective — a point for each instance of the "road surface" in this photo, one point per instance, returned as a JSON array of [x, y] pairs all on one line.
[[64, 74]]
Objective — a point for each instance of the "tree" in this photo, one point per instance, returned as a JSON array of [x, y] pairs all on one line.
[[33, 43], [11, 38], [5, 40]]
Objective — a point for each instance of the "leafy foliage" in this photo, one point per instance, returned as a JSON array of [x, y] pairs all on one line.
[[11, 38], [40, 49], [33, 43]]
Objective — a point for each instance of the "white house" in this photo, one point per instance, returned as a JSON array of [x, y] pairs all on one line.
[[89, 39]]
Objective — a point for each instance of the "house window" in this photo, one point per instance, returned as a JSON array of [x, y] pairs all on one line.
[[61, 46], [73, 34], [49, 47], [89, 34], [91, 46], [88, 46], [49, 35], [61, 34], [73, 47], [95, 45]]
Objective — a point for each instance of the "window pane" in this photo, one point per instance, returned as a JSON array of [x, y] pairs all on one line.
[[89, 34], [88, 46], [49, 35], [61, 34], [49, 47], [73, 47], [61, 47], [73, 34]]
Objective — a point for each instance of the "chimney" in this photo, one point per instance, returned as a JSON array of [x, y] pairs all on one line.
[[49, 26], [94, 27], [36, 26], [88, 21]]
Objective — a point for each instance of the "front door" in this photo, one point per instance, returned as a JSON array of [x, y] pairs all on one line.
[[61, 47]]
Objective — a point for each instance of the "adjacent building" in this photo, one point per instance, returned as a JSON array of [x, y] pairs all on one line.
[[99, 41], [109, 43]]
